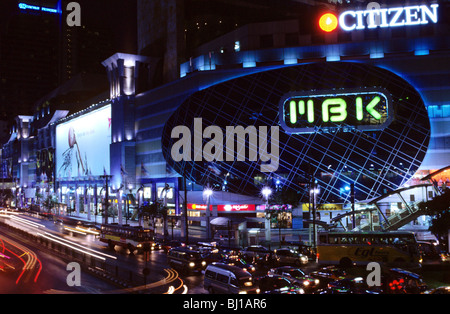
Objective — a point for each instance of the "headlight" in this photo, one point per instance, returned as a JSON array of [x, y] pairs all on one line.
[[191, 264], [139, 245], [242, 292], [316, 281], [203, 263], [306, 283]]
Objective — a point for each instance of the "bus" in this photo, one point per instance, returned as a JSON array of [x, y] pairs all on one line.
[[392, 249], [129, 237]]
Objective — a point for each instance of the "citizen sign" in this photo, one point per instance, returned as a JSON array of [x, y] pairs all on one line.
[[387, 17]]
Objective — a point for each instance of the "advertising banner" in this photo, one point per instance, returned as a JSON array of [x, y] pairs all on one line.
[[82, 145]]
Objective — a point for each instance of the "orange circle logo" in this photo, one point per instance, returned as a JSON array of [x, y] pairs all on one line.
[[328, 22]]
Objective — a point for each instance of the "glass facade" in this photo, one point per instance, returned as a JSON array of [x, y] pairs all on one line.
[[376, 161]]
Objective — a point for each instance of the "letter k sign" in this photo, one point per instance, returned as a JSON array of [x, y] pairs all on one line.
[[370, 108]]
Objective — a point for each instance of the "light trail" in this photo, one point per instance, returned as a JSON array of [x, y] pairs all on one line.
[[31, 262], [172, 275], [68, 242], [27, 222], [71, 246]]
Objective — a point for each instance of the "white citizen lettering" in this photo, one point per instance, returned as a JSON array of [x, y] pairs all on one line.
[[394, 21], [371, 19], [343, 23], [412, 15], [388, 17], [427, 12], [360, 19], [384, 19]]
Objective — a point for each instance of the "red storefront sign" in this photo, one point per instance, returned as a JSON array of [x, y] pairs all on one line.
[[236, 208], [224, 208], [198, 207]]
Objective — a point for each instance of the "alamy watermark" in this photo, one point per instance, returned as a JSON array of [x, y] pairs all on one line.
[[213, 150], [74, 277], [74, 16]]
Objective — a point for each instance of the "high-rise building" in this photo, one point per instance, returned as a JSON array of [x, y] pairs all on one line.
[[39, 51]]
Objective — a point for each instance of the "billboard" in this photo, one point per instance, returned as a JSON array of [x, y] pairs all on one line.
[[82, 145]]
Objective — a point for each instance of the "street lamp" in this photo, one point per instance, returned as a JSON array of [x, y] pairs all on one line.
[[208, 192], [314, 191], [266, 192]]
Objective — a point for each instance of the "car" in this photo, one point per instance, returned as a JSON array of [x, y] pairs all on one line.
[[398, 280], [256, 252], [290, 257], [168, 245], [222, 278], [276, 284], [349, 286], [439, 290], [239, 262], [432, 254], [186, 260], [213, 256], [308, 283], [328, 274]]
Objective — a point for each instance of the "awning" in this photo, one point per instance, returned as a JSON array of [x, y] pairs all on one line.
[[223, 222]]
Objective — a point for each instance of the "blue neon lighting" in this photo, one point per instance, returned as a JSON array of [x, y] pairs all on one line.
[[24, 6]]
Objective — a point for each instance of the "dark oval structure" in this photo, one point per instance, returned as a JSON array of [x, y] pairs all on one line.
[[375, 161]]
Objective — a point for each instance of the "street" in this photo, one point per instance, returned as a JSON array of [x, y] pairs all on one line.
[[42, 267]]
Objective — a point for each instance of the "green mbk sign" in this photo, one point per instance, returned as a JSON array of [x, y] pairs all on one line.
[[365, 109]]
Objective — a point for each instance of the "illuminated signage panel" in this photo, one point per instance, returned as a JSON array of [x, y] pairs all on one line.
[[24, 6], [82, 145], [331, 110], [381, 17], [225, 208], [236, 208]]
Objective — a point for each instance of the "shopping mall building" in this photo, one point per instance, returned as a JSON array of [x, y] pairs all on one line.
[[354, 111]]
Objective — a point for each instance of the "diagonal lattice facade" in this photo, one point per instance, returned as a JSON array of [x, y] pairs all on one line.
[[375, 161]]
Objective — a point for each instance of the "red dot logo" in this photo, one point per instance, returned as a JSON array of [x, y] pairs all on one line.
[[328, 22]]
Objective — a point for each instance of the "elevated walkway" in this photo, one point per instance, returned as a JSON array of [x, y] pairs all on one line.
[[410, 210]]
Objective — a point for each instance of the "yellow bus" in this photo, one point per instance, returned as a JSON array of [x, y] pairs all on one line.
[[396, 249], [129, 237]]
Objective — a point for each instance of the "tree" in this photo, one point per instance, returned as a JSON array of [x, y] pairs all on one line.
[[278, 214], [153, 211], [50, 202], [439, 208]]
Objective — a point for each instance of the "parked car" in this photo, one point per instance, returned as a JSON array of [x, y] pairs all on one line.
[[278, 284], [290, 257], [308, 283]]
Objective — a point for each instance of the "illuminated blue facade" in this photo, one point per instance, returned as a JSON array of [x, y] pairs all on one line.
[[243, 85]]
